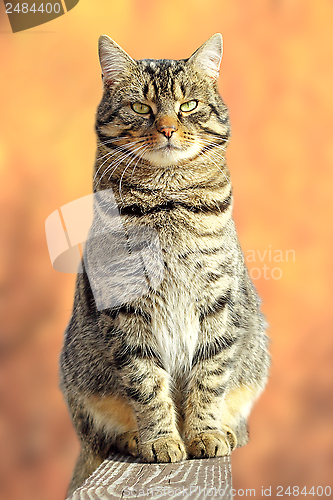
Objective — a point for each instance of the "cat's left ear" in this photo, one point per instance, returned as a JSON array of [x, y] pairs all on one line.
[[208, 56], [115, 62]]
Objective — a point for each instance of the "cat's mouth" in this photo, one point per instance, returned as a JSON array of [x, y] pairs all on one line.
[[168, 148], [169, 153]]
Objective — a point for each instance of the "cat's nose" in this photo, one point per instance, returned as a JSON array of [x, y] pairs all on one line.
[[167, 131], [166, 126]]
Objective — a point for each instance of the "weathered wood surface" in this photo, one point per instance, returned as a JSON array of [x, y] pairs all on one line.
[[122, 477]]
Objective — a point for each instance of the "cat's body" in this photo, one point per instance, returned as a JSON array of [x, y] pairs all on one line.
[[174, 372]]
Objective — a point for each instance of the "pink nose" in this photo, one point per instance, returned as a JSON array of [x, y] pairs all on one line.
[[166, 126], [167, 131]]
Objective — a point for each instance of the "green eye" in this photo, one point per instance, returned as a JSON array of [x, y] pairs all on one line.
[[188, 106], [140, 108]]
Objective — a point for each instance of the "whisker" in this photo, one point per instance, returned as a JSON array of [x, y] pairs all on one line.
[[135, 141], [99, 168], [113, 152], [122, 175], [217, 154], [206, 143], [109, 155], [207, 155], [112, 164], [117, 163], [119, 148], [139, 158]]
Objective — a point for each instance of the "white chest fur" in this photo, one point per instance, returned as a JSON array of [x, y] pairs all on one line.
[[175, 328]]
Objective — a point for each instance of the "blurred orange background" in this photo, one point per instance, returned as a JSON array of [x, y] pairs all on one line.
[[277, 79]]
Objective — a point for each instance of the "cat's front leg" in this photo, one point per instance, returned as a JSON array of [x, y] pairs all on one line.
[[205, 433], [159, 438]]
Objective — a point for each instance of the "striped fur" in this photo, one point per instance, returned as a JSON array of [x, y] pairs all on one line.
[[173, 373]]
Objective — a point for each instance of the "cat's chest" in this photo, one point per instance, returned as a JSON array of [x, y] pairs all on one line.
[[175, 326], [175, 314], [184, 287]]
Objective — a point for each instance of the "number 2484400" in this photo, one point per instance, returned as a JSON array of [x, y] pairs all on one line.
[[24, 8], [296, 491]]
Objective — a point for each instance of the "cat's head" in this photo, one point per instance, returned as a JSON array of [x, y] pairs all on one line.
[[164, 111]]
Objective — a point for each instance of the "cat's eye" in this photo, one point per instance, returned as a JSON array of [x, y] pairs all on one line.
[[140, 108], [188, 106]]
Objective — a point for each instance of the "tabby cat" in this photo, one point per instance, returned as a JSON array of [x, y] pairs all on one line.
[[173, 372]]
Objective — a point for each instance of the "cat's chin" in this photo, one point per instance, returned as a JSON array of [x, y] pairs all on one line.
[[169, 157]]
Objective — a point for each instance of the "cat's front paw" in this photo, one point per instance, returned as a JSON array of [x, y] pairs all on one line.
[[163, 450], [208, 445]]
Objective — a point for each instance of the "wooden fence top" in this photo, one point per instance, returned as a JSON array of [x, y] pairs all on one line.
[[121, 477]]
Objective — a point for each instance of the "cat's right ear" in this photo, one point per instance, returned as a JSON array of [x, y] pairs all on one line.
[[208, 56], [115, 62]]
